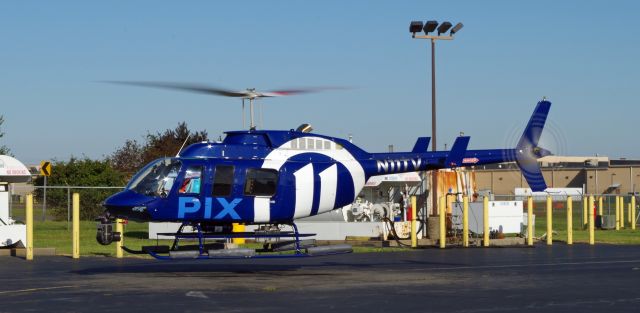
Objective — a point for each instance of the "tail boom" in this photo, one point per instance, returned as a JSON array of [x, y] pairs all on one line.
[[525, 154]]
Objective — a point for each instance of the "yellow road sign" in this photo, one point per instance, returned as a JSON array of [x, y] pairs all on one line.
[[45, 168]]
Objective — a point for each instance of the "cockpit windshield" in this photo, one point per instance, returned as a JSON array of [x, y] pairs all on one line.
[[156, 179]]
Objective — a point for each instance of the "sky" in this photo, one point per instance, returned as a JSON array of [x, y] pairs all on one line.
[[581, 55]]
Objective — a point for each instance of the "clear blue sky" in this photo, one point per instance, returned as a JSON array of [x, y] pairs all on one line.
[[582, 55]]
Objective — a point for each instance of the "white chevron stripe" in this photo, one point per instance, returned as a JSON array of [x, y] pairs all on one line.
[[328, 186], [279, 156], [304, 191], [261, 209]]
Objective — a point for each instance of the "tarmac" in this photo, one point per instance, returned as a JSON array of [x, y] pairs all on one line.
[[556, 278]]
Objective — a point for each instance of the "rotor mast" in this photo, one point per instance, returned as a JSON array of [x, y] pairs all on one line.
[[251, 95], [252, 125]]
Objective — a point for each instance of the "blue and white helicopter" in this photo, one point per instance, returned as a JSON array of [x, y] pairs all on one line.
[[273, 177]]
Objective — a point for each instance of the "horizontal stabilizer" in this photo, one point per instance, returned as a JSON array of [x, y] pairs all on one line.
[[454, 159], [422, 144]]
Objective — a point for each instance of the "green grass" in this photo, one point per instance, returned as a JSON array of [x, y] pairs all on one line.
[[57, 234], [581, 234]]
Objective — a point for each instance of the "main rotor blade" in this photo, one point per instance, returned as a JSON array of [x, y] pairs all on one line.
[[199, 88], [291, 92]]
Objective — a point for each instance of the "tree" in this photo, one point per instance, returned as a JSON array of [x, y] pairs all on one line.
[[3, 149], [128, 159], [168, 143], [132, 156], [80, 172]]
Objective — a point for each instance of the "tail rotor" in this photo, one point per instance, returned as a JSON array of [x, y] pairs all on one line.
[[528, 152]]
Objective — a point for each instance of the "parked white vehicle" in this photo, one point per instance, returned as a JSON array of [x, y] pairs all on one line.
[[11, 171]]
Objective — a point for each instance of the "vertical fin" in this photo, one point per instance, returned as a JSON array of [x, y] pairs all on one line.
[[422, 144], [454, 159]]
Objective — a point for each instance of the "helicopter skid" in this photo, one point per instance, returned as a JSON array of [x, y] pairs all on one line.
[[280, 249]]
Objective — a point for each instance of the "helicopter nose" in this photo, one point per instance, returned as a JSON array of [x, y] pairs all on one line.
[[129, 205]]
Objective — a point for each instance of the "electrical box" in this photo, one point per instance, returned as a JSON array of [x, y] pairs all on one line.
[[507, 216]]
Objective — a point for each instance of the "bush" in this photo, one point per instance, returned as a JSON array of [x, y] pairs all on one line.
[[80, 172]]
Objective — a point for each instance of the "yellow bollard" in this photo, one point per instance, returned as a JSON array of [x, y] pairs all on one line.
[[617, 212], [530, 221], [29, 222], [633, 212], [485, 221], [238, 228], [569, 220], [549, 221], [584, 211], [465, 221], [629, 212], [76, 226], [414, 229], [621, 212], [600, 206], [119, 244], [591, 222], [443, 226]]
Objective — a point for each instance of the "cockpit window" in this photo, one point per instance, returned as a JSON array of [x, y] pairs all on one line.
[[261, 182], [156, 179], [223, 181], [192, 180]]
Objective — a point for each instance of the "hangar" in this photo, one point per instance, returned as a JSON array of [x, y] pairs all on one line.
[[596, 175]]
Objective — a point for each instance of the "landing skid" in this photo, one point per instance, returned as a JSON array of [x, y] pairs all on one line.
[[272, 247]]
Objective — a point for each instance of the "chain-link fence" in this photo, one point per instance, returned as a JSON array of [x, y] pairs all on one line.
[[604, 205], [604, 209], [53, 203]]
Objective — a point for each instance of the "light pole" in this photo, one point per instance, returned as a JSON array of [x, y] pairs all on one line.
[[597, 166], [429, 27]]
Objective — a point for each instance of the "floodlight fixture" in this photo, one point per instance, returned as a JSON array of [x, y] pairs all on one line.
[[456, 29], [430, 26], [443, 28], [415, 27]]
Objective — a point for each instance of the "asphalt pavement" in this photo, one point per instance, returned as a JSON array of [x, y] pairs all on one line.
[[559, 278]]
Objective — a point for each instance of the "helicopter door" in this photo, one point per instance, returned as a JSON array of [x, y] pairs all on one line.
[[260, 186], [190, 187], [227, 205], [223, 181]]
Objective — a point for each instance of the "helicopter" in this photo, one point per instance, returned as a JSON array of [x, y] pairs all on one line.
[[270, 178]]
